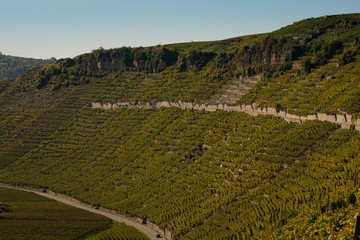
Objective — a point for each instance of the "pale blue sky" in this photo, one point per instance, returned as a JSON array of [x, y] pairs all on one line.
[[66, 28]]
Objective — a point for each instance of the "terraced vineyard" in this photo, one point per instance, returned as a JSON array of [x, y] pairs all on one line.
[[198, 174], [327, 89], [119, 232], [26, 215], [207, 163]]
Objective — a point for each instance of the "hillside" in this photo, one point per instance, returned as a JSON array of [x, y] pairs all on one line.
[[12, 67], [199, 174]]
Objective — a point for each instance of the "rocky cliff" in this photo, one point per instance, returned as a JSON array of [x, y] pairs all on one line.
[[265, 52]]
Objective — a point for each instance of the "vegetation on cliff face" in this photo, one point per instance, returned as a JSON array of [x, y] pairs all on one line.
[[12, 67], [204, 175]]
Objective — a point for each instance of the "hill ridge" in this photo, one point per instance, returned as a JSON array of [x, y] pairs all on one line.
[[14, 66]]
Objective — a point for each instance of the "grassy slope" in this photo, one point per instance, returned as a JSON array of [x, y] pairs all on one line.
[[203, 175]]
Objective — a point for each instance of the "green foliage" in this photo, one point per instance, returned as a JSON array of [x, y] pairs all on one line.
[[45, 74], [347, 57], [307, 65], [195, 61]]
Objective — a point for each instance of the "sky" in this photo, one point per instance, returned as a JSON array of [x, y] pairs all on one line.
[[67, 28]]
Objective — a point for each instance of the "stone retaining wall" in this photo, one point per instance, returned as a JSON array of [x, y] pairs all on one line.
[[344, 120]]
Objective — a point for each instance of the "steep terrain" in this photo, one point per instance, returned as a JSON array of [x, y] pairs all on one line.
[[199, 174]]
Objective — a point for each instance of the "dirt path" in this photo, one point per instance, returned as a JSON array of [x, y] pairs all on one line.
[[149, 232]]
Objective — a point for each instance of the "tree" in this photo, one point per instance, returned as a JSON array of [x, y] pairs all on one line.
[[278, 107], [306, 64]]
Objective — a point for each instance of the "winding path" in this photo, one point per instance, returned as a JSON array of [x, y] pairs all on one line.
[[146, 230]]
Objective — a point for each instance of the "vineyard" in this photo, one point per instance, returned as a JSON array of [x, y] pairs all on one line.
[[119, 232], [29, 216], [327, 89], [216, 165], [198, 174]]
